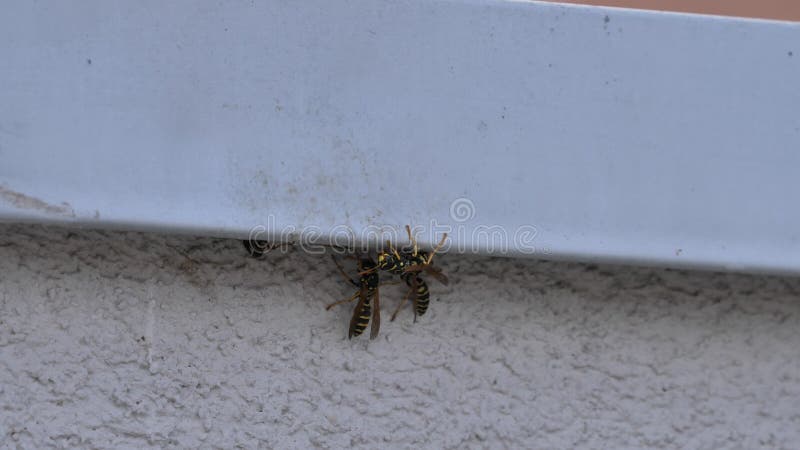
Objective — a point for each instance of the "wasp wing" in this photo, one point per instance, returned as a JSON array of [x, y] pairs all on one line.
[[376, 315], [435, 272], [363, 301]]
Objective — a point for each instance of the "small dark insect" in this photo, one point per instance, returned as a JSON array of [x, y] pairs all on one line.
[[257, 249], [368, 298]]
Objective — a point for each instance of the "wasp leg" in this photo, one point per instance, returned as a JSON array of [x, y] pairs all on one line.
[[347, 300], [341, 271], [396, 311], [368, 271], [282, 246]]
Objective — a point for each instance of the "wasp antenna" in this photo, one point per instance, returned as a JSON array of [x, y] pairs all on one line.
[[393, 249], [436, 249], [413, 240]]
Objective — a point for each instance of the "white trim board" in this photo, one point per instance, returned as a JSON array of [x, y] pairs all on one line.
[[617, 135]]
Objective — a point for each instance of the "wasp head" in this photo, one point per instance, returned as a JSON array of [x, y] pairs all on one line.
[[388, 261]]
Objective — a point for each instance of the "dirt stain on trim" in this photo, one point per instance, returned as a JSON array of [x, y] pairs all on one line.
[[23, 201]]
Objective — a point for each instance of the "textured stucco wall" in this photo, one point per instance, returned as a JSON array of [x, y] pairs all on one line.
[[117, 339]]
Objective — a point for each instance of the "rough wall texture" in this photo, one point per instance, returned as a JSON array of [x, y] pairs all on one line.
[[119, 340]]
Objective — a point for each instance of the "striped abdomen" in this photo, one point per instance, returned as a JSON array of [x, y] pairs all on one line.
[[423, 296], [369, 287], [361, 318]]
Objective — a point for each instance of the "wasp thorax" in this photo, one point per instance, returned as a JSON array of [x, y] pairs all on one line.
[[386, 260]]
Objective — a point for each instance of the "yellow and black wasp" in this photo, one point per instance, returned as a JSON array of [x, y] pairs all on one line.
[[409, 265], [368, 296]]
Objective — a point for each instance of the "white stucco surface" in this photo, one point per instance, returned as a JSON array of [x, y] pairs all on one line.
[[111, 339]]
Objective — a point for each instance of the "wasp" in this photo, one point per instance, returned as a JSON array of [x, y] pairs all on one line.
[[409, 265], [368, 296]]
